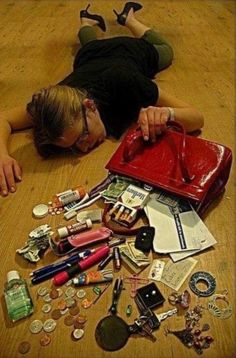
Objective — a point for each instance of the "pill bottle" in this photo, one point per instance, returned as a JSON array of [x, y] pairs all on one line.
[[69, 196], [74, 228], [17, 297]]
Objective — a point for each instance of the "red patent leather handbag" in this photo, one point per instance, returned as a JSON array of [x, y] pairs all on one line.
[[190, 167]]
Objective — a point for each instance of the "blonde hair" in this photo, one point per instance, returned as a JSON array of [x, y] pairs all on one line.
[[53, 110]]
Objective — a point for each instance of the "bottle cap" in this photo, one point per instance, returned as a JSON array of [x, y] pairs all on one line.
[[13, 275], [40, 211], [62, 232]]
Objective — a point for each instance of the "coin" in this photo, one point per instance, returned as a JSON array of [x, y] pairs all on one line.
[[54, 293], [49, 325], [60, 292], [47, 298], [70, 302], [24, 347], [81, 293], [62, 305], [45, 340], [78, 325], [74, 310], [36, 326], [56, 314], [68, 283], [46, 308], [78, 333], [86, 303], [68, 320], [42, 291], [81, 318], [70, 292]]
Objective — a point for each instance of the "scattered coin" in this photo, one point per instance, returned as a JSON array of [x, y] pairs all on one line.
[[49, 325], [46, 308], [60, 292], [78, 325], [74, 310], [70, 292], [86, 303], [24, 347], [36, 326], [78, 333], [54, 293], [68, 320], [42, 291], [45, 340], [47, 298], [70, 302], [64, 311], [62, 305], [81, 293], [81, 318], [56, 314]]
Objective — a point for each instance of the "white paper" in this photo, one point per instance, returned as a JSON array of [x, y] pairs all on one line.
[[174, 223], [206, 240]]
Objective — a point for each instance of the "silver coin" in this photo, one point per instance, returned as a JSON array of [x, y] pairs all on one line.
[[49, 325], [78, 333], [70, 302], [60, 292], [46, 308], [42, 291], [81, 294], [70, 292], [36, 326], [64, 311], [47, 298]]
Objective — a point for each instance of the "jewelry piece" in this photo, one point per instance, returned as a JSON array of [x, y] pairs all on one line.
[[221, 313], [182, 299], [205, 277]]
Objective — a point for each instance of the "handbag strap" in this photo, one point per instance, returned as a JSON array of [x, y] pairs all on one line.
[[134, 141]]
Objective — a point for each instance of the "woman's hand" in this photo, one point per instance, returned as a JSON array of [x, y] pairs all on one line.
[[152, 121], [10, 172]]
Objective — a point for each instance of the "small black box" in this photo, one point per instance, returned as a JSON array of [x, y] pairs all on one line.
[[150, 295]]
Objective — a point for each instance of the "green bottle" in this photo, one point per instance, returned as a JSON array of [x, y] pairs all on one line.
[[18, 301]]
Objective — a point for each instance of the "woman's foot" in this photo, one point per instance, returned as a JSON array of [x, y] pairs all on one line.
[[127, 14], [92, 19]]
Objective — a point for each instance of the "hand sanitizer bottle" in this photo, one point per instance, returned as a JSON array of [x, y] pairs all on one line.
[[18, 301]]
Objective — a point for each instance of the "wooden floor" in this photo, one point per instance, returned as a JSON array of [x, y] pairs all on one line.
[[37, 44]]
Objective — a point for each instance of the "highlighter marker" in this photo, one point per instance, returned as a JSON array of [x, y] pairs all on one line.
[[84, 264]]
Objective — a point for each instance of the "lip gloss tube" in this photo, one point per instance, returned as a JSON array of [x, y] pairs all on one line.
[[74, 228]]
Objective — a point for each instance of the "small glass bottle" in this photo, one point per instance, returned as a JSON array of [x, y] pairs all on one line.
[[18, 301]]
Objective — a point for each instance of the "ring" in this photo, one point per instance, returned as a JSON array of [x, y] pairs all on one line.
[[221, 313]]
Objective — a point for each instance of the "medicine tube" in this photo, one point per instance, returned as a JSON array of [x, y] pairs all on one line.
[[74, 228]]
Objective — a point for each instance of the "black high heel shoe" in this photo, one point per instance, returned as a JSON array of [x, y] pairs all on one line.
[[121, 18], [98, 18]]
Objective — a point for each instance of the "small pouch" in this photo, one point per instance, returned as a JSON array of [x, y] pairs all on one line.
[[144, 238]]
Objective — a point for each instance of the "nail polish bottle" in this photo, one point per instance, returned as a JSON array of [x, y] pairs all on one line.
[[18, 301]]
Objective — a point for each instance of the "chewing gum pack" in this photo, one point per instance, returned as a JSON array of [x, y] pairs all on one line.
[[129, 203]]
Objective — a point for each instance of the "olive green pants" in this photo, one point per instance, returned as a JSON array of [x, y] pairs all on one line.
[[165, 52]]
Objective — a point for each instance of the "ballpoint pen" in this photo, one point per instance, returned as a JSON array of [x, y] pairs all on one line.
[[70, 259], [89, 261]]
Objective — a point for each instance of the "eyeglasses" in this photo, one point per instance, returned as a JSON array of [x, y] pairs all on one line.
[[85, 132]]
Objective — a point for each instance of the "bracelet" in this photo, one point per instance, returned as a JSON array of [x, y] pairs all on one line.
[[171, 114]]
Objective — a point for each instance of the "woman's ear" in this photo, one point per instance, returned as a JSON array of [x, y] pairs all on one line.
[[89, 103]]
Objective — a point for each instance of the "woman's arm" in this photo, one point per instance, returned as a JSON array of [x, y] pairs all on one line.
[[153, 119], [10, 171]]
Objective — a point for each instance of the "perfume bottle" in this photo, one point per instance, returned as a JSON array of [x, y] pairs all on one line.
[[18, 301]]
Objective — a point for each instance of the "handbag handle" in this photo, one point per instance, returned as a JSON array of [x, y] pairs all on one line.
[[134, 142]]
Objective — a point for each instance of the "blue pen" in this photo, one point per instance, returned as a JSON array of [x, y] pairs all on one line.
[[61, 263], [53, 271]]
